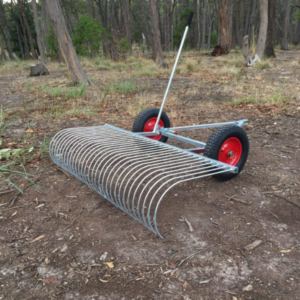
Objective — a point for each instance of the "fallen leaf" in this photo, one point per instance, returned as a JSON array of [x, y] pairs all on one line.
[[47, 261], [29, 130], [102, 280], [14, 213], [38, 238], [185, 285], [50, 279], [110, 265]]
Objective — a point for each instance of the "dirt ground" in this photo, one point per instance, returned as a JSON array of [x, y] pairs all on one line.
[[64, 241]]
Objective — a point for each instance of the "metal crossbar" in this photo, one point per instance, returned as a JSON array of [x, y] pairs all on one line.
[[131, 171]]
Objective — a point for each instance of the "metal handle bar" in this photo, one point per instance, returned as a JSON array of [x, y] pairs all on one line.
[[173, 71]]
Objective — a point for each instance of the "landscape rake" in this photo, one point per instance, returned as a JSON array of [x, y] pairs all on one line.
[[135, 170]]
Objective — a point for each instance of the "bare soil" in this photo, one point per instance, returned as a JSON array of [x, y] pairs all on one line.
[[65, 241]]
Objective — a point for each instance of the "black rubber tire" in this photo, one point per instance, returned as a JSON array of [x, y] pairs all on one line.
[[217, 139], [145, 115]]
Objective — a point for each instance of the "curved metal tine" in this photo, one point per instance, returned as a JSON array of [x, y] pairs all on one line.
[[53, 147], [56, 143], [103, 169], [133, 163], [135, 207], [164, 175], [164, 193], [64, 144], [160, 163], [123, 156], [138, 164], [73, 150], [154, 151], [105, 145], [86, 155], [181, 165]]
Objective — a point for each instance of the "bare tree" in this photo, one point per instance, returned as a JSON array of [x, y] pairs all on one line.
[[262, 36], [3, 26], [198, 24], [125, 10], [296, 39], [38, 32], [155, 41], [65, 43], [286, 24], [269, 51], [225, 24], [203, 24], [27, 29], [44, 24]]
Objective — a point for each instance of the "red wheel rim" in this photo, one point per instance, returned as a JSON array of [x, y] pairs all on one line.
[[231, 151], [150, 125]]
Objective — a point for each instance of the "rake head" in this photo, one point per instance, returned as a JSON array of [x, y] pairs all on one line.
[[131, 171]]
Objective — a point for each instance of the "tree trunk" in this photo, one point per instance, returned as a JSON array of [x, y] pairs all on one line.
[[2, 47], [27, 29], [90, 8], [296, 39], [203, 24], [157, 54], [6, 35], [44, 24], [225, 24], [210, 23], [20, 42], [198, 24], [65, 43], [252, 19], [38, 32], [242, 22], [269, 51], [125, 10], [25, 40], [262, 36], [286, 24]]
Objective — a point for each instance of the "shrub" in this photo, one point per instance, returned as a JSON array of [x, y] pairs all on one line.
[[87, 36]]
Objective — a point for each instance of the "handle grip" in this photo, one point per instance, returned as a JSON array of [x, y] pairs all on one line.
[[189, 21]]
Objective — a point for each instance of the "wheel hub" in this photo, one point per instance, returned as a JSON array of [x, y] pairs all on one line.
[[231, 151], [149, 126]]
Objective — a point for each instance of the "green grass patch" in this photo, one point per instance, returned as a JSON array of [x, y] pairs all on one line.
[[264, 64], [66, 93], [125, 87], [275, 99]]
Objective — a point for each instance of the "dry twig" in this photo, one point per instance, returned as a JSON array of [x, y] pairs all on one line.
[[188, 223], [190, 256], [232, 198]]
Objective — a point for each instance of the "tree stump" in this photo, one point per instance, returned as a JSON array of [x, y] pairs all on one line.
[[38, 70]]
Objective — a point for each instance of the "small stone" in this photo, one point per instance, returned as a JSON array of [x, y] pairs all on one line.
[[64, 248], [103, 256], [248, 288]]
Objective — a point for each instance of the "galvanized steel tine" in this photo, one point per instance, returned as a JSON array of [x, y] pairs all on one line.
[[164, 176], [165, 192], [132, 172]]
